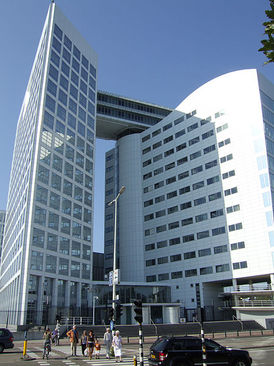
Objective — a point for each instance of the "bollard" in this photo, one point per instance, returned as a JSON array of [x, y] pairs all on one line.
[[25, 344], [134, 360]]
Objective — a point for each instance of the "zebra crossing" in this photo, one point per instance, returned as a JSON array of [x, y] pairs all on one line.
[[63, 354]]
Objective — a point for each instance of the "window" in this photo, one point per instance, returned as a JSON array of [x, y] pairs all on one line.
[[157, 157], [151, 278], [195, 155], [201, 217], [211, 164], [181, 147], [226, 158], [221, 128], [183, 175], [162, 260], [206, 270], [229, 174], [173, 225], [174, 241], [212, 180], [239, 245], [193, 141], [196, 170], [172, 210], [147, 162], [180, 133], [214, 196], [216, 213], [145, 138], [175, 258], [204, 252], [191, 272], [182, 160], [240, 265], [192, 127], [163, 277], [157, 144], [235, 227], [162, 244], [158, 171], [159, 199], [149, 247], [203, 234], [230, 191], [168, 139], [146, 150], [150, 262], [171, 180], [147, 176], [209, 149], [159, 184], [169, 152], [160, 213], [190, 255], [160, 229], [175, 275], [187, 221], [198, 185], [199, 201], [179, 120], [185, 205], [220, 249], [157, 132], [171, 194], [168, 126], [222, 268], [188, 238], [207, 134], [218, 231], [233, 209], [184, 190], [223, 143]]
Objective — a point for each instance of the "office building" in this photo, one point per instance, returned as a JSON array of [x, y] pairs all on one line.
[[47, 250], [2, 226], [198, 209]]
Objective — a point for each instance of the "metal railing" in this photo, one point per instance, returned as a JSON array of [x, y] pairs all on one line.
[[255, 303]]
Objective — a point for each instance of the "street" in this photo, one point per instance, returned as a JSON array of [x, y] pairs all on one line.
[[260, 349]]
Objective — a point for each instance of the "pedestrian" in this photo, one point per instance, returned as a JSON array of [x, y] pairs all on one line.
[[108, 341], [47, 343], [55, 336], [73, 337], [90, 343], [84, 342], [117, 345], [97, 347]]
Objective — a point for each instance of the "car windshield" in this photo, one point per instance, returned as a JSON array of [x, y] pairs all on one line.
[[159, 345]]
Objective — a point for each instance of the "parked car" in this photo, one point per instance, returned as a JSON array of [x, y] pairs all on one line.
[[187, 351], [6, 339]]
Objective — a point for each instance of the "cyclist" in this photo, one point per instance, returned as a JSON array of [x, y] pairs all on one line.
[[47, 343]]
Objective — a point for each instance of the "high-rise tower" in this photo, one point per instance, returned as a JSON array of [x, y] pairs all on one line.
[[47, 249]]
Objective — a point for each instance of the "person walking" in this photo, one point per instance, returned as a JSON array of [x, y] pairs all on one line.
[[117, 345], [97, 347], [108, 341], [90, 343], [84, 342], [73, 337], [47, 344]]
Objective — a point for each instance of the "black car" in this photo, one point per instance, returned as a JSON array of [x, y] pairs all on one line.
[[187, 351], [6, 339]]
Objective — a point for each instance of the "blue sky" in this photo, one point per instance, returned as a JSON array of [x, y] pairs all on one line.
[[157, 51]]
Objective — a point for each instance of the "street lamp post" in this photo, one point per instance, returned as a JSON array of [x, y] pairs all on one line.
[[122, 190]]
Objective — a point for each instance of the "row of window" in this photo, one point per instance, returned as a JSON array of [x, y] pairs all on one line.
[[63, 267], [189, 128], [184, 160], [201, 253], [187, 189], [56, 222], [60, 244], [194, 272], [191, 237]]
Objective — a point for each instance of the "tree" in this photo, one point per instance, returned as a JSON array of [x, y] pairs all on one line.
[[268, 44]]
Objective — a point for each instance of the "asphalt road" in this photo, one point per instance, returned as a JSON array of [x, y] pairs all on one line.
[[261, 350]]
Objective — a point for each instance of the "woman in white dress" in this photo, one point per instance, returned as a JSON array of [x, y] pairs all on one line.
[[117, 346]]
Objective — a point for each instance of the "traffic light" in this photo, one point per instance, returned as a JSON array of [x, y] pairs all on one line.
[[110, 313], [118, 311], [138, 311]]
